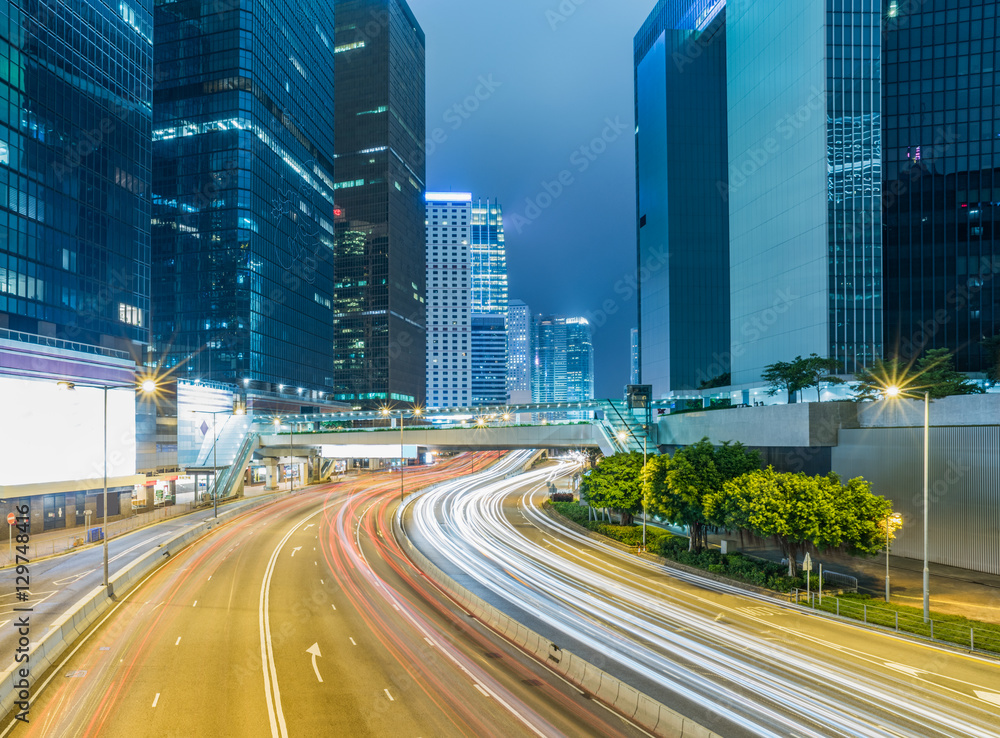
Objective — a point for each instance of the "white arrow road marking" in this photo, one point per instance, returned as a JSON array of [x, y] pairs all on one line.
[[912, 671], [314, 650], [76, 578], [297, 548], [309, 526], [988, 697]]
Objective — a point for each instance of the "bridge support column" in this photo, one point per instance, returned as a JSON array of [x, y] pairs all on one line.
[[271, 465]]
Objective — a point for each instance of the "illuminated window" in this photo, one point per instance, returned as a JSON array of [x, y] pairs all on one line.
[[129, 314]]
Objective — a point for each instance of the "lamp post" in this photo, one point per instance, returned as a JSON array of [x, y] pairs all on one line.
[[894, 391], [215, 460], [402, 461], [148, 386], [644, 492]]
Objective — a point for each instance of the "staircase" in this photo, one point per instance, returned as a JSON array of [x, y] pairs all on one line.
[[623, 431]]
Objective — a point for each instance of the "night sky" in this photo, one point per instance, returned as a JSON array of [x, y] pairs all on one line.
[[548, 82]]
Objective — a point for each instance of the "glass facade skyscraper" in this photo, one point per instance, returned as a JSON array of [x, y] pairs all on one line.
[[942, 178], [75, 170], [563, 359], [380, 272], [489, 304], [682, 212], [243, 191], [519, 353]]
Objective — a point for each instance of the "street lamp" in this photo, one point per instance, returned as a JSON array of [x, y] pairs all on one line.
[[402, 461], [893, 391], [215, 459], [147, 386], [291, 451], [892, 523]]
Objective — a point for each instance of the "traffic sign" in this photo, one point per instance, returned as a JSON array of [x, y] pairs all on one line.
[[807, 563], [11, 518]]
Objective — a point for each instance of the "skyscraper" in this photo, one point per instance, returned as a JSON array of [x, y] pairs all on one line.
[[563, 362], [942, 179], [379, 302], [449, 297], [519, 354], [634, 371], [682, 216], [75, 162], [243, 192], [801, 87], [489, 305]]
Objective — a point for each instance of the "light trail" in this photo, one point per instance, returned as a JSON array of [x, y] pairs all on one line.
[[673, 637]]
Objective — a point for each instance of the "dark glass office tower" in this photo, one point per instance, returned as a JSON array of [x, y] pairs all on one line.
[[379, 344], [243, 191], [75, 122], [681, 190], [489, 304], [942, 178]]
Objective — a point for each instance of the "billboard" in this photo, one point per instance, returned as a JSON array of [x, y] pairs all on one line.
[[364, 451], [50, 434]]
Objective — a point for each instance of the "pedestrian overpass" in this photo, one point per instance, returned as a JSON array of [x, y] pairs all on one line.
[[608, 425]]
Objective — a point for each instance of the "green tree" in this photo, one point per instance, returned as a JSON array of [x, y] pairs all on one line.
[[819, 371], [675, 487], [992, 346], [936, 372], [721, 380], [797, 510], [616, 483], [786, 376]]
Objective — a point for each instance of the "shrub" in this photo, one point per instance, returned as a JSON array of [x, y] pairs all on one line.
[[561, 497]]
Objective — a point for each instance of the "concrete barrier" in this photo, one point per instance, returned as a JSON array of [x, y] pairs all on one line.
[[627, 701], [75, 621]]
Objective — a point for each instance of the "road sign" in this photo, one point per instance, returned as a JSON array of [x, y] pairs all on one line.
[[807, 563], [11, 518]]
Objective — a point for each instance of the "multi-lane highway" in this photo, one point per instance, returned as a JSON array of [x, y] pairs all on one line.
[[738, 664], [305, 619]]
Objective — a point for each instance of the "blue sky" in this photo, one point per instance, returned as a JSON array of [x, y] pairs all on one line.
[[530, 101]]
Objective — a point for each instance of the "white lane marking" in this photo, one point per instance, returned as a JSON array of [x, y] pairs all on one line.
[[210, 579], [481, 690], [308, 527], [389, 696], [156, 699], [333, 606], [988, 697], [74, 578], [178, 641], [297, 548], [195, 604], [275, 714], [912, 671], [321, 581], [352, 641], [431, 643], [314, 650]]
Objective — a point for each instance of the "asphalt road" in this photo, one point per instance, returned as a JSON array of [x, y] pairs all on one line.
[[56, 583], [739, 664], [303, 619]]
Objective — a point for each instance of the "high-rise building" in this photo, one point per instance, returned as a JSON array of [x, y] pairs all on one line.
[[489, 305], [942, 179], [682, 213], [449, 299], [519, 353], [243, 193], [634, 371], [75, 160], [379, 302], [563, 361], [802, 186]]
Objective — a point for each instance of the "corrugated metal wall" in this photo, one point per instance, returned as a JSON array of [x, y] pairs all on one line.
[[964, 488]]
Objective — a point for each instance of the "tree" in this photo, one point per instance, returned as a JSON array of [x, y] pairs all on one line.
[[934, 372], [616, 483], [992, 346], [797, 510], [721, 380], [786, 376], [676, 487], [819, 371]]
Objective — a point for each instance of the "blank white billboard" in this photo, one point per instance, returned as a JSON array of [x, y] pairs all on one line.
[[48, 434]]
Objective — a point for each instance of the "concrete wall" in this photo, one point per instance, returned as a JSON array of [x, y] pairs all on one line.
[[812, 424]]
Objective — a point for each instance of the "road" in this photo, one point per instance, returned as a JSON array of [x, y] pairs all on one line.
[[739, 664], [305, 619], [60, 581]]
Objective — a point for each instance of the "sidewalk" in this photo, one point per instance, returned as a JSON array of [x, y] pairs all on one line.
[[955, 591]]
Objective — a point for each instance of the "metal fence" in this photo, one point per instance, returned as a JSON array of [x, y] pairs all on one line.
[[981, 638]]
